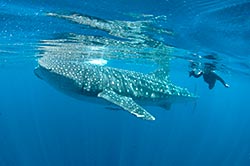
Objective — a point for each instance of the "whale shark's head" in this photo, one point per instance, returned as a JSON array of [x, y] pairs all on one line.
[[61, 75]]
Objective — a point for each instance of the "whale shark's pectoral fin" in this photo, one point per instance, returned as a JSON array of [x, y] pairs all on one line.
[[126, 103]]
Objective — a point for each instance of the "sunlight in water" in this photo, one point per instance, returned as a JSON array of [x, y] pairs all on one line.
[[100, 62]]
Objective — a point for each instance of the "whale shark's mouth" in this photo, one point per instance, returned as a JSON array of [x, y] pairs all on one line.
[[40, 71], [37, 72]]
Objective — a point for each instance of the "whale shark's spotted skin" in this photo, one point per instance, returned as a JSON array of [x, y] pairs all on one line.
[[121, 87]]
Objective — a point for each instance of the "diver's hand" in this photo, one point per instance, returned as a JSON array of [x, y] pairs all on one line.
[[227, 86], [199, 72]]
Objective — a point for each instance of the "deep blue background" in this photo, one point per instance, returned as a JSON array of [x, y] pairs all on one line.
[[40, 126]]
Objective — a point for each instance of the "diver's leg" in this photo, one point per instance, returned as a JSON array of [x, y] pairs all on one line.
[[222, 81], [211, 84]]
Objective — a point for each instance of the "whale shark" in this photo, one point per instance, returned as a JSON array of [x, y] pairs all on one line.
[[129, 90]]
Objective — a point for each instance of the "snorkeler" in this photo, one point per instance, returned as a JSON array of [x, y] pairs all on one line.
[[209, 76]]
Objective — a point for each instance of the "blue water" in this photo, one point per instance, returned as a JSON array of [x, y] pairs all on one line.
[[40, 126]]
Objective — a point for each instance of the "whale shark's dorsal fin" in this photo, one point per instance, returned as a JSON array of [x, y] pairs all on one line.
[[126, 103], [161, 73]]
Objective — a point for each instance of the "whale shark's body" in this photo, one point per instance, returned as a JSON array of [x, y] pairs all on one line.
[[121, 87]]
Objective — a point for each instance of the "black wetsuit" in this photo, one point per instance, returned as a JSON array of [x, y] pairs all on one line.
[[209, 77]]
